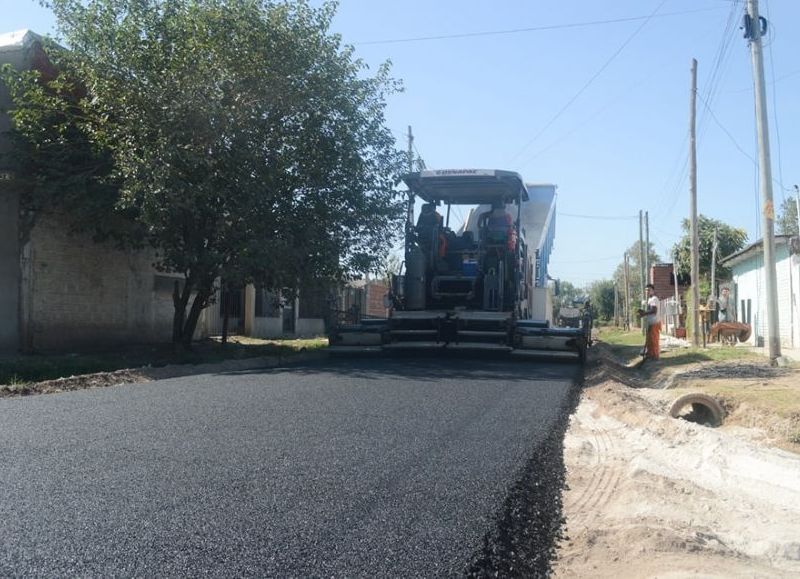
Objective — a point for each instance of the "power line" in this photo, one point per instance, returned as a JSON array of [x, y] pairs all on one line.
[[561, 261], [601, 217], [529, 29], [591, 80], [775, 103], [772, 83], [721, 57], [733, 140]]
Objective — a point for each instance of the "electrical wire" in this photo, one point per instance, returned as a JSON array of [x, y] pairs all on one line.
[[600, 217], [721, 58], [530, 29], [733, 140], [775, 102], [589, 82], [718, 67]]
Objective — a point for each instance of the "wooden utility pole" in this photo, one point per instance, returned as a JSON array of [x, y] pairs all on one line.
[[616, 305], [677, 293], [714, 246], [641, 259], [797, 206], [754, 31], [411, 197], [693, 207], [627, 294], [410, 150], [646, 248]]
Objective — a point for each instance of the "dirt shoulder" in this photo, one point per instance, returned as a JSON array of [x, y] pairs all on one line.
[[653, 496]]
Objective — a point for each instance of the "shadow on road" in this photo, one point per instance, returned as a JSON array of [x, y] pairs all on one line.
[[430, 368]]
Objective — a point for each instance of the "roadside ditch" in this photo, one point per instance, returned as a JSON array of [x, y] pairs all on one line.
[[650, 495]]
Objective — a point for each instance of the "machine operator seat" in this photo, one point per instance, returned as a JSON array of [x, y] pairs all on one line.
[[497, 227]]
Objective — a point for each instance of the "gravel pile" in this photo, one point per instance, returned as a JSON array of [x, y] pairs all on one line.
[[735, 370]]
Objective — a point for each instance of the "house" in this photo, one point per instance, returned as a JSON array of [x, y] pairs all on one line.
[[61, 290], [673, 319], [749, 288], [259, 313]]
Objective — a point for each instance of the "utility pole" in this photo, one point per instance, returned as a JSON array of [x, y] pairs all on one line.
[[627, 295], [797, 205], [641, 257], [647, 247], [754, 31], [693, 206], [714, 246], [410, 209], [410, 150], [677, 294], [616, 305]]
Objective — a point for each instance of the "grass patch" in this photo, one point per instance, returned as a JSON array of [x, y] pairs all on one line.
[[38, 367], [628, 346]]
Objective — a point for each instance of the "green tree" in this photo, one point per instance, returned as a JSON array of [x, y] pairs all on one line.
[[246, 140], [729, 240], [567, 294], [787, 217], [601, 293], [59, 167]]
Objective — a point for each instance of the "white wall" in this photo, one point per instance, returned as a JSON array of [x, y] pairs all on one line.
[[267, 327], [309, 327], [750, 284]]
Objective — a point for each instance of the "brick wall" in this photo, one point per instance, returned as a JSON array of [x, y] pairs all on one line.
[[661, 277], [87, 295], [375, 292]]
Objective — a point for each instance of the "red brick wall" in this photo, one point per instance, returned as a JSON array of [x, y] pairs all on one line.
[[375, 292], [661, 277]]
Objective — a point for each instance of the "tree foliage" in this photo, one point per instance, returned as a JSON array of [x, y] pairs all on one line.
[[601, 293], [245, 139], [729, 240], [567, 294], [59, 166], [787, 217]]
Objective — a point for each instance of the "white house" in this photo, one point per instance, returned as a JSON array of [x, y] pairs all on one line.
[[749, 288]]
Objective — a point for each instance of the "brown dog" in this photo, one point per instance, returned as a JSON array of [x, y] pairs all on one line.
[[730, 332]]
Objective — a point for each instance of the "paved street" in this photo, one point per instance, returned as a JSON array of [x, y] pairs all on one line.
[[344, 468]]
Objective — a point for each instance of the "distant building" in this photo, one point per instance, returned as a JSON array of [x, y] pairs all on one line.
[[749, 288]]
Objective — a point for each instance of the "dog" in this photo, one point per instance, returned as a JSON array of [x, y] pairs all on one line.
[[730, 332]]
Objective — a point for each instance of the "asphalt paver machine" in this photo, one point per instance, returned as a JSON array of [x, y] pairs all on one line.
[[476, 287]]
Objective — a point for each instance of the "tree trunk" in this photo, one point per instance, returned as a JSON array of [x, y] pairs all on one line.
[[200, 302], [179, 301]]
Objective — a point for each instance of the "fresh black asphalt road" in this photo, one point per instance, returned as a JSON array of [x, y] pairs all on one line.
[[396, 467]]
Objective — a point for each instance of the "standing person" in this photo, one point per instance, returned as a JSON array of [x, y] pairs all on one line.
[[727, 306], [652, 344]]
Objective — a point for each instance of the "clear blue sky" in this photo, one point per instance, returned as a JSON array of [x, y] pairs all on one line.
[[498, 101]]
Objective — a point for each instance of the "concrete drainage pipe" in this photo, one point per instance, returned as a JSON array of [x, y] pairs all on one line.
[[699, 408]]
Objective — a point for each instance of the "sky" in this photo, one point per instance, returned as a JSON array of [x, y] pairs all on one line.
[[591, 96]]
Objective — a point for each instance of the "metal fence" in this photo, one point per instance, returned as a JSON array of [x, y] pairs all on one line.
[[669, 312]]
